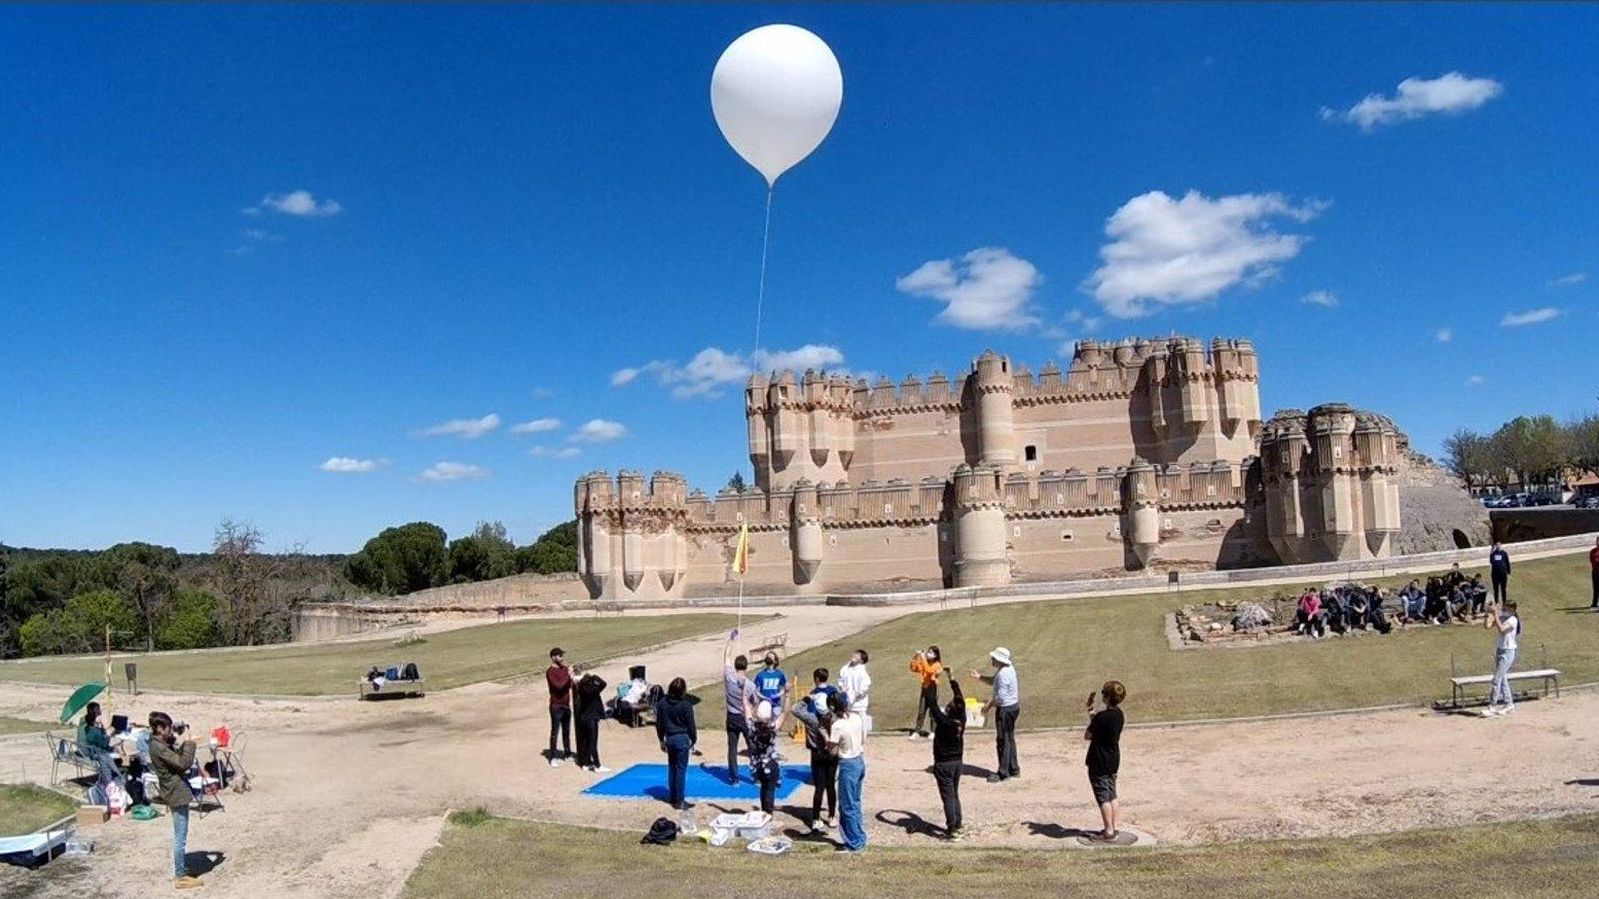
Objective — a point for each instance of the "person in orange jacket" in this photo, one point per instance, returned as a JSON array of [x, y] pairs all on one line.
[[927, 665]]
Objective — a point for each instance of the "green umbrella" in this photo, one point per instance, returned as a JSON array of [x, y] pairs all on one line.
[[80, 698]]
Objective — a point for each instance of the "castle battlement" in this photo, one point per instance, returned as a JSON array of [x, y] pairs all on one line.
[[1097, 371], [1137, 451]]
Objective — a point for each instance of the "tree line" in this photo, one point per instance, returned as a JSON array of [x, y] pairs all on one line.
[[1525, 451], [418, 555], [149, 597], [146, 597]]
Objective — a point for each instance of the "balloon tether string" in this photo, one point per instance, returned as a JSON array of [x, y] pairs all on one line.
[[760, 293]]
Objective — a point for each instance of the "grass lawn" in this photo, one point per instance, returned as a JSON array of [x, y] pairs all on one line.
[[21, 726], [1064, 649], [449, 659], [26, 808], [497, 858]]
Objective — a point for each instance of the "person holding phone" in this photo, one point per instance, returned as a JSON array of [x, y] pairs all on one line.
[[1104, 733], [1507, 627]]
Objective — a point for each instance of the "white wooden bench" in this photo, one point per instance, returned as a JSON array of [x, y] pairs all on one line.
[[1460, 684]]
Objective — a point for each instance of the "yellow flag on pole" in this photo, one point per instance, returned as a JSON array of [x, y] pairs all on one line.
[[741, 555]]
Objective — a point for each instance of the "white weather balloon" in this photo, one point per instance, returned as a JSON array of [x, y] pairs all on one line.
[[775, 93]]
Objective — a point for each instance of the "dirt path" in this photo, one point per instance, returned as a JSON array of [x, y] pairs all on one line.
[[348, 796]]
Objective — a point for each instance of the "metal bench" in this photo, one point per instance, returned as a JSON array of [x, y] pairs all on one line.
[[1459, 685]]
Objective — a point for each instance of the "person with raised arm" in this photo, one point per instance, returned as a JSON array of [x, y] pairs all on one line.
[[736, 692], [1006, 703]]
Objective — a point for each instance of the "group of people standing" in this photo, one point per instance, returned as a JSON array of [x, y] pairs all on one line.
[[836, 719]]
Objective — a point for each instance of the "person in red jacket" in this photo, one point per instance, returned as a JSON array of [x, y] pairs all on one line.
[[558, 678]]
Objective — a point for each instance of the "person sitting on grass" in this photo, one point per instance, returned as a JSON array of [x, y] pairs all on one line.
[[1477, 593], [1374, 610], [1337, 615], [1308, 619], [1460, 602], [1437, 610], [1104, 733], [1357, 609], [1412, 602]]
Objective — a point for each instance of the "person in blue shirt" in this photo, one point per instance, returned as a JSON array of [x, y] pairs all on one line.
[[771, 684], [821, 692]]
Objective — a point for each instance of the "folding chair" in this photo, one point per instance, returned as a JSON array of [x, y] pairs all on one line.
[[66, 751]]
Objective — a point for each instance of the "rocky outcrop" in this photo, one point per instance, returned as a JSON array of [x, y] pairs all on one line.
[[1433, 506]]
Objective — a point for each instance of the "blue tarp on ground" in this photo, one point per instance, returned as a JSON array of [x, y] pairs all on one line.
[[704, 782]]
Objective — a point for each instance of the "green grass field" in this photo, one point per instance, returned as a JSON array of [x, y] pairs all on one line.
[[499, 858], [1064, 649], [26, 808], [10, 725], [449, 659]]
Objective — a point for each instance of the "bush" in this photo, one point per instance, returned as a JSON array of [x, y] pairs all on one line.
[[476, 816], [190, 621]]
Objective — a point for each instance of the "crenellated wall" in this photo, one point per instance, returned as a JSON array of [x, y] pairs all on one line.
[[1167, 400], [1140, 453]]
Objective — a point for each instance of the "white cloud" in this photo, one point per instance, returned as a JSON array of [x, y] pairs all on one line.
[[713, 368], [599, 430], [1475, 380], [465, 428], [455, 471], [1165, 251], [1444, 335], [987, 289], [537, 426], [1530, 317], [1569, 280], [1448, 93], [1321, 298], [299, 203], [546, 452], [348, 465]]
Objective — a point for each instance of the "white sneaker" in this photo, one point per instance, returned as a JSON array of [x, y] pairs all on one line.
[[555, 763], [1490, 712], [602, 770]]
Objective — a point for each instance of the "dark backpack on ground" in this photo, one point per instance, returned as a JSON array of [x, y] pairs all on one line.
[[662, 833], [411, 672]]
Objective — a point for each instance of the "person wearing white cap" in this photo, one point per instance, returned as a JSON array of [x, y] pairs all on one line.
[[1007, 705]]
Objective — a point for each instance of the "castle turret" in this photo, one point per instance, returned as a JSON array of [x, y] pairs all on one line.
[[594, 502], [1377, 450], [1332, 428], [1283, 450], [994, 386], [782, 402], [806, 533], [982, 556], [1141, 511], [632, 543], [755, 415]]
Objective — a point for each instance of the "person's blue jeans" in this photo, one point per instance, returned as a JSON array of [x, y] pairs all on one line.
[[677, 752], [180, 840], [1503, 659], [851, 780]]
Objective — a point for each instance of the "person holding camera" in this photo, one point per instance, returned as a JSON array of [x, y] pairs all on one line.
[[1507, 627], [172, 761], [927, 665], [1104, 734]]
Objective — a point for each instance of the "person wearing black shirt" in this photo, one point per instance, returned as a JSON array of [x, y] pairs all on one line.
[[1104, 760], [675, 728], [590, 710], [949, 751], [1499, 571]]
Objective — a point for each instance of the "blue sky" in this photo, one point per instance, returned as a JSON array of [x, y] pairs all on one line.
[[240, 242]]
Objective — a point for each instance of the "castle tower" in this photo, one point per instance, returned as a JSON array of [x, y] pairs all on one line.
[[1141, 511], [806, 534], [1283, 449], [756, 419], [1332, 428], [982, 557], [996, 429], [1377, 450], [631, 540]]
